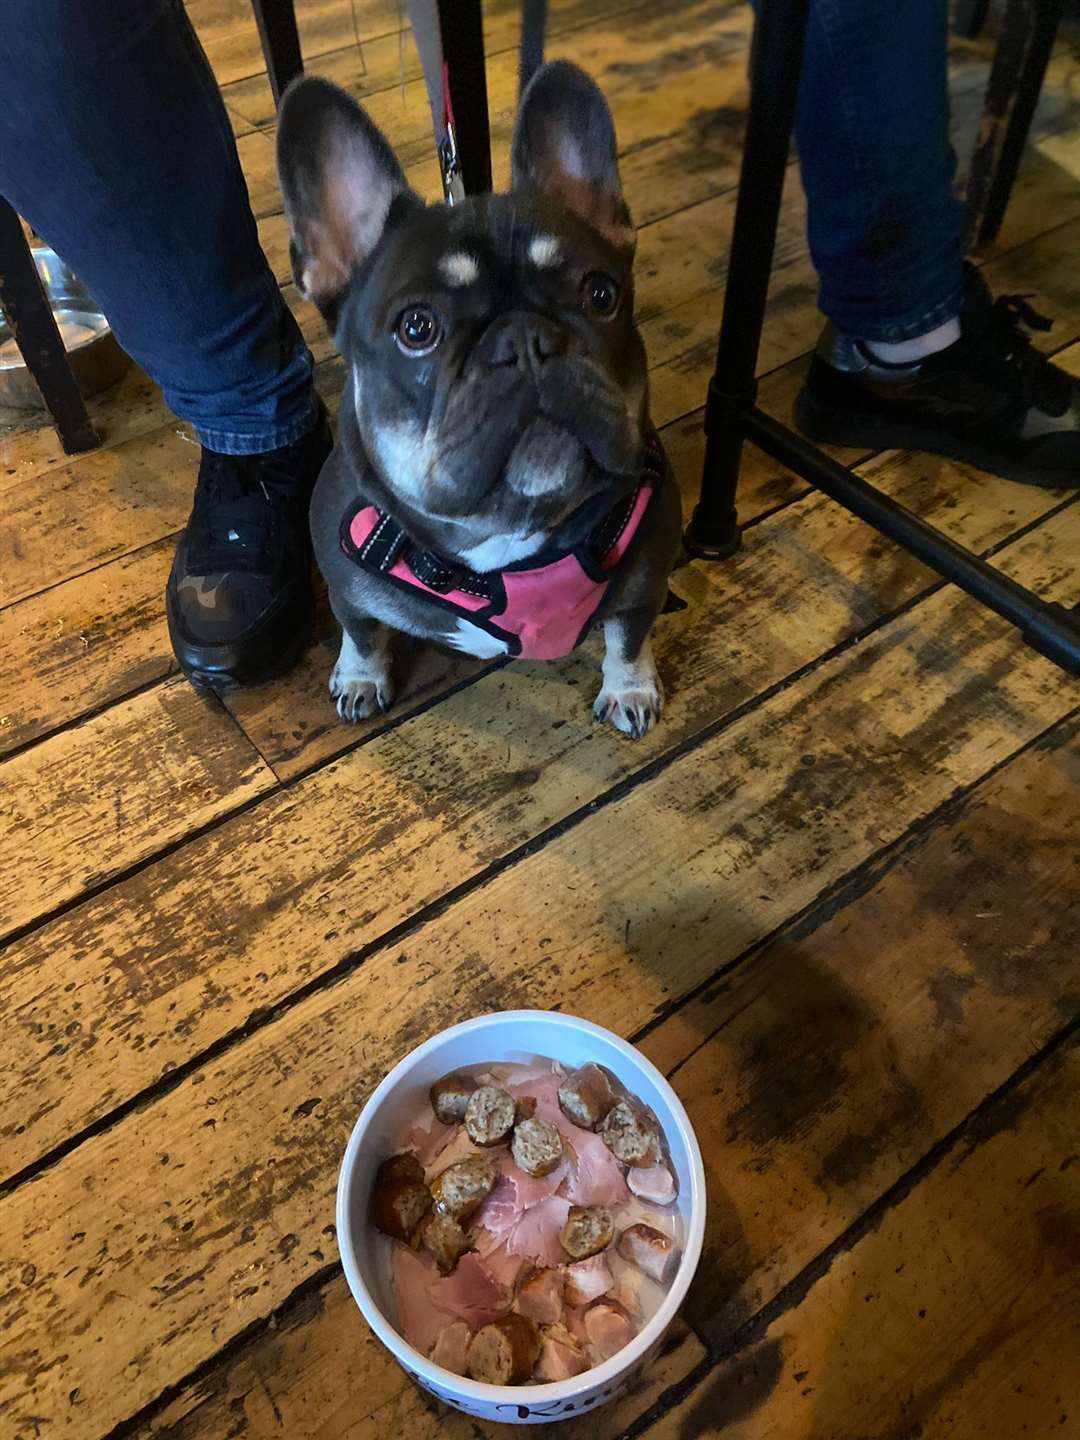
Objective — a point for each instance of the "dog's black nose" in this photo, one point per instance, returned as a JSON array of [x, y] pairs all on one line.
[[521, 339]]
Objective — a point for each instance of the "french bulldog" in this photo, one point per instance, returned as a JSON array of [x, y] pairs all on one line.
[[496, 485]]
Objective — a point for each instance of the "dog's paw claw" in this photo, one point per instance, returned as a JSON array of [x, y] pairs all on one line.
[[358, 699], [633, 712]]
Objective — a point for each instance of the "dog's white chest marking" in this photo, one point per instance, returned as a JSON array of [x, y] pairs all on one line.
[[407, 454], [471, 640], [500, 551]]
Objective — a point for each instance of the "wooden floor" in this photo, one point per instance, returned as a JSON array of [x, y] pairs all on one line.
[[834, 895]]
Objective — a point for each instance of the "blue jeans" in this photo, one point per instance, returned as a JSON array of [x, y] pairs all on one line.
[[115, 146], [872, 131]]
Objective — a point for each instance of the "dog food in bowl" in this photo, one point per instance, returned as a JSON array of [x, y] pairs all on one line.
[[529, 1211], [401, 1104]]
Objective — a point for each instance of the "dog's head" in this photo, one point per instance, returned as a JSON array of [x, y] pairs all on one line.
[[497, 379]]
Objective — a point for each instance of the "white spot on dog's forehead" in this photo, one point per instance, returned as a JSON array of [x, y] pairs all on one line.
[[459, 269], [544, 252]]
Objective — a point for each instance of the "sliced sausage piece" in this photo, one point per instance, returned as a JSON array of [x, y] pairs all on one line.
[[631, 1134], [399, 1168], [489, 1115], [504, 1352], [560, 1356], [587, 1096], [609, 1328], [588, 1230], [443, 1237], [464, 1186], [540, 1298], [450, 1096], [536, 1147], [399, 1198], [653, 1252], [451, 1347], [587, 1281], [655, 1184]]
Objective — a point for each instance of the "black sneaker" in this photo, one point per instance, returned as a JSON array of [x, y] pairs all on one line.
[[239, 599], [990, 400]]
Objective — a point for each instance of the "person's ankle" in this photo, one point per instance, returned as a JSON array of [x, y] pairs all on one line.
[[919, 347]]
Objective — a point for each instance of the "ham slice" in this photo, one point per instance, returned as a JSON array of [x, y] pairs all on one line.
[[498, 1214], [596, 1177], [451, 1347], [428, 1142], [544, 1089], [471, 1292], [574, 1320], [505, 1267], [540, 1298], [418, 1320], [608, 1329], [560, 1356], [587, 1280], [459, 1147], [536, 1234], [652, 1182], [530, 1191], [635, 1292]]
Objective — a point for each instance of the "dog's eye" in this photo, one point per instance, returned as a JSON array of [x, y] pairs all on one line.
[[601, 294], [417, 330]]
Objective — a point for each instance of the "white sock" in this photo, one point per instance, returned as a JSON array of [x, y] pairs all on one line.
[[906, 352]]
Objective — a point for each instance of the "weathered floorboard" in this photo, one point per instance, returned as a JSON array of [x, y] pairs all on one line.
[[427, 806], [74, 810], [814, 1075], [243, 1152], [957, 1315]]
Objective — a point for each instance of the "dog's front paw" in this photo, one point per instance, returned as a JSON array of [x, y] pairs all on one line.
[[359, 696], [632, 709]]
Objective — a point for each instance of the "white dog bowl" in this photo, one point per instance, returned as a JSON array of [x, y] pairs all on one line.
[[521, 1036]]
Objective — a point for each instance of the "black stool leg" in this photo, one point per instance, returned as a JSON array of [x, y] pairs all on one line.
[[462, 27], [280, 39], [26, 306], [1016, 80], [776, 64]]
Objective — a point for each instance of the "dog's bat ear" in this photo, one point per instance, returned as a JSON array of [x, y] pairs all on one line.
[[564, 145], [338, 177]]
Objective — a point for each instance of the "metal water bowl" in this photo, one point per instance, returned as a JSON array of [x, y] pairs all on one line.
[[95, 358]]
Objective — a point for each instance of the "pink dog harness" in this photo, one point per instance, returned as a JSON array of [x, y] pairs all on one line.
[[541, 611]]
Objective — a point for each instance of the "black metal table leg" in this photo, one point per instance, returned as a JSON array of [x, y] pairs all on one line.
[[776, 63], [1016, 80], [24, 303], [970, 17], [462, 27], [1050, 629], [280, 39], [732, 416]]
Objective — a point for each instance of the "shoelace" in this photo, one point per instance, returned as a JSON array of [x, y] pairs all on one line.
[[1040, 383], [239, 504]]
